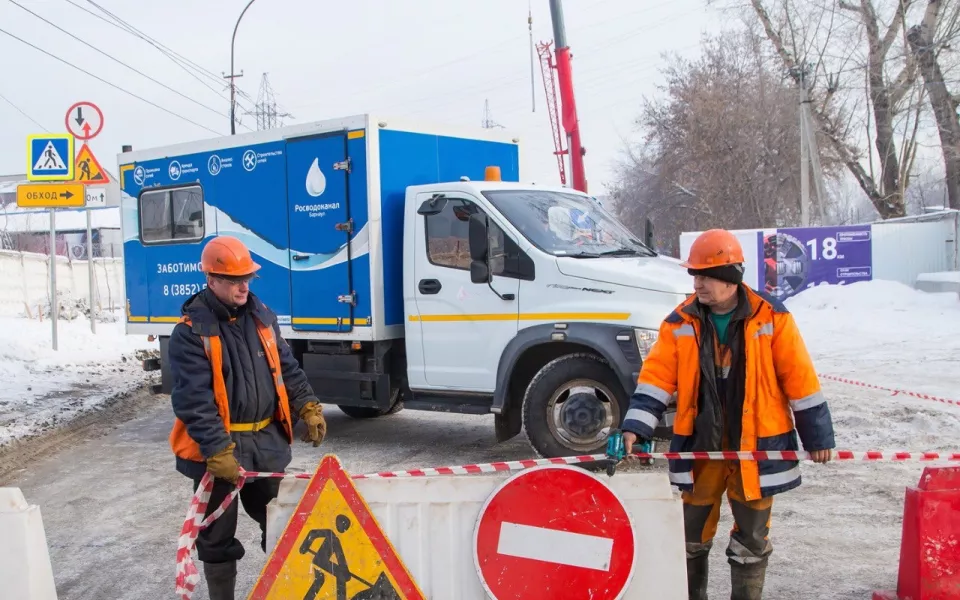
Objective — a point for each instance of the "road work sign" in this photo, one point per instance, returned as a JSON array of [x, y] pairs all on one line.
[[51, 195], [88, 169], [332, 547], [554, 532], [50, 157]]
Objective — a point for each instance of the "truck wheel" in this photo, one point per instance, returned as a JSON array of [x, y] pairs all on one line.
[[571, 405], [367, 412]]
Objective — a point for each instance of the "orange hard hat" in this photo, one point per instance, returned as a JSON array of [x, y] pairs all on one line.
[[714, 248], [225, 255]]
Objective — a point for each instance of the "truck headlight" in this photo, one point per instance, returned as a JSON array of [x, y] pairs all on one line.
[[645, 340]]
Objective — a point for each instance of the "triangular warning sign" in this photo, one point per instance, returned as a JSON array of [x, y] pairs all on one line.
[[333, 547], [49, 160], [88, 169]]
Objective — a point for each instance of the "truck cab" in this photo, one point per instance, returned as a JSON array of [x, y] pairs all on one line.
[[530, 302], [410, 268]]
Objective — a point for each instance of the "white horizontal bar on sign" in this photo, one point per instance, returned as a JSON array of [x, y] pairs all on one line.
[[555, 546]]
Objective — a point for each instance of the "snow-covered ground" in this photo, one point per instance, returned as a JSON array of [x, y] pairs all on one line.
[[42, 388]]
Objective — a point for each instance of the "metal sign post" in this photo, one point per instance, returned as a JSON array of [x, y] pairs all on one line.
[[93, 313], [54, 305]]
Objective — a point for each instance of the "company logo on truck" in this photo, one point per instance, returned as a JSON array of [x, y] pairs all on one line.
[[316, 210], [316, 182]]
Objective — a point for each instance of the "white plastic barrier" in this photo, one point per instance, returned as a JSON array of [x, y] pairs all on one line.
[[25, 570], [431, 521]]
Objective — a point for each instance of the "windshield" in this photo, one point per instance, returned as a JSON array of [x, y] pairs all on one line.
[[566, 224]]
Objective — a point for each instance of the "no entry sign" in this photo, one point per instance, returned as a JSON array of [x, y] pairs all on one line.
[[554, 532]]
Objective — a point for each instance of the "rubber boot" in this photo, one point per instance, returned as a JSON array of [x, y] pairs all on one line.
[[746, 581], [697, 569], [221, 579]]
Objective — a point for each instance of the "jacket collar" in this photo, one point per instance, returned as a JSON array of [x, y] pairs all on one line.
[[206, 312], [748, 306]]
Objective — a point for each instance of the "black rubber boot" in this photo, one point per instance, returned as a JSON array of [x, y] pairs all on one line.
[[221, 579], [697, 569], [746, 581]]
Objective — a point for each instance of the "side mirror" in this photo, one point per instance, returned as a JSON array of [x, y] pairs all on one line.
[[433, 206], [479, 272], [479, 244]]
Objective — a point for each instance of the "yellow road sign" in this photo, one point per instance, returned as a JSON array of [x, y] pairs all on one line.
[[333, 547], [87, 167], [51, 195]]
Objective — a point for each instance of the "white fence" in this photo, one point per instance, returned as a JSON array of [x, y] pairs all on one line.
[[25, 282]]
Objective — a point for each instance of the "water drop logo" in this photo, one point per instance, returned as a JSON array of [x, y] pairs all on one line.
[[316, 182]]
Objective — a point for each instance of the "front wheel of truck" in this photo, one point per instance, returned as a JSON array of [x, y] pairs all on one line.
[[571, 405]]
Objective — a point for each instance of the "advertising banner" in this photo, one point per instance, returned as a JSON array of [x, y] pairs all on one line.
[[797, 258]]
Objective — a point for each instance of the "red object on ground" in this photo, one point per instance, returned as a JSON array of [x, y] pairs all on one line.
[[930, 546]]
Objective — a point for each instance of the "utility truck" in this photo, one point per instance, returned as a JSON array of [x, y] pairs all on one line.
[[409, 268]]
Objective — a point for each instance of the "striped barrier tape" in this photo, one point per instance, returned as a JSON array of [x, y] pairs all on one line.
[[893, 391], [188, 576]]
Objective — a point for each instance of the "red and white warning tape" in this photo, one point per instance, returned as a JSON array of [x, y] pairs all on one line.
[[893, 391], [188, 576]]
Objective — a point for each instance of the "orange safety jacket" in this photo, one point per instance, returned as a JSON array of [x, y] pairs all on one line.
[[781, 393], [181, 443]]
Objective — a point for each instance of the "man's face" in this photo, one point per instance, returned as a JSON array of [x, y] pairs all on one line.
[[232, 292], [713, 292]]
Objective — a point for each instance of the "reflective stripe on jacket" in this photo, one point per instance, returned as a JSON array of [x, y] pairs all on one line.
[[781, 393]]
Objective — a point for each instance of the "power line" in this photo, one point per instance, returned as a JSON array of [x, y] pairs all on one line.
[[113, 85], [19, 110], [116, 60], [177, 58]]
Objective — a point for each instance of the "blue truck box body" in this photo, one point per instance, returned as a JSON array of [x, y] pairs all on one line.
[[288, 193]]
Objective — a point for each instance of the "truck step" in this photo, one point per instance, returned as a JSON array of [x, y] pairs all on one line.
[[451, 404]]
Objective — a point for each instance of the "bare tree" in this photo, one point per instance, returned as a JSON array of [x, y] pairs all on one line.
[[838, 40], [925, 50], [721, 149]]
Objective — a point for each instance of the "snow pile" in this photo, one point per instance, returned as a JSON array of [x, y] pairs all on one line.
[[885, 333], [42, 387], [70, 308]]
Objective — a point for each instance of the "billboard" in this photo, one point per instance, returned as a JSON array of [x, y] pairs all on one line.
[[794, 259]]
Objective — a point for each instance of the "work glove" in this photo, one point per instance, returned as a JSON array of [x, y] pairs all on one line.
[[316, 426], [224, 465]]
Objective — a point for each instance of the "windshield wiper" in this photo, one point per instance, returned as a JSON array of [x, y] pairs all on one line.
[[579, 255], [621, 252]]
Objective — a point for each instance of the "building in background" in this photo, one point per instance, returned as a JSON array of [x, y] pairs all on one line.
[[28, 230]]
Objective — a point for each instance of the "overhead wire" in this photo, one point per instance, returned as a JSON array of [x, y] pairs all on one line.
[[190, 67], [22, 112], [118, 61], [113, 85]]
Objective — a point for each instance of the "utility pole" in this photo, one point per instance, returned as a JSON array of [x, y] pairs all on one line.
[[809, 151], [233, 75]]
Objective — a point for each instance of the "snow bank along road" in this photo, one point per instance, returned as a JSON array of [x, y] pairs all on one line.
[[113, 505]]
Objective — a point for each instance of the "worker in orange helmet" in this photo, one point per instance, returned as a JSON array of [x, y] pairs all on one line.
[[236, 389], [743, 381]]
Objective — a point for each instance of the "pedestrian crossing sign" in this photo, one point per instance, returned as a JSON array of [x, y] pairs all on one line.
[[88, 169], [334, 548], [50, 157]]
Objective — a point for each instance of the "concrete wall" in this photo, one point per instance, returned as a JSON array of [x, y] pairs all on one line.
[[25, 282]]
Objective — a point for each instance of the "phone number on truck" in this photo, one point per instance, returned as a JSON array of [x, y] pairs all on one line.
[[183, 289]]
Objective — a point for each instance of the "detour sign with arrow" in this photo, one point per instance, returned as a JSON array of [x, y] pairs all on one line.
[[51, 195]]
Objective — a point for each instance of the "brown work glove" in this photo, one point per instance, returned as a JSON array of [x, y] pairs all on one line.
[[316, 426], [224, 465]]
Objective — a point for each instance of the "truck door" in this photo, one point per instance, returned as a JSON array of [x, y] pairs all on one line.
[[321, 278], [464, 326]]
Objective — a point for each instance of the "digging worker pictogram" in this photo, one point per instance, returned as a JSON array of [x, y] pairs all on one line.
[[743, 381], [236, 389]]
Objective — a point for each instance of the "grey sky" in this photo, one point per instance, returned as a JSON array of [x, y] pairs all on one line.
[[432, 60]]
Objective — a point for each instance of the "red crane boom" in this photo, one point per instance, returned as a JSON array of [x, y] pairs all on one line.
[[571, 123], [553, 111]]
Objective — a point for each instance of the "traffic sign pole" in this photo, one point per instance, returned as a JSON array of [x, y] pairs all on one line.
[[54, 305], [93, 320]]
